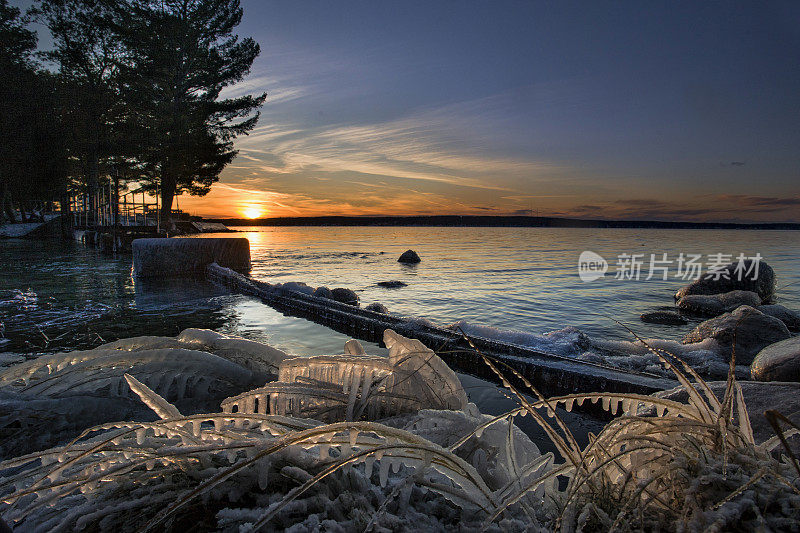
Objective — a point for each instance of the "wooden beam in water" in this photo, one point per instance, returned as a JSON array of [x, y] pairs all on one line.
[[550, 374]]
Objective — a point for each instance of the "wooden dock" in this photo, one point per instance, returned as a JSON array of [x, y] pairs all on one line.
[[111, 220]]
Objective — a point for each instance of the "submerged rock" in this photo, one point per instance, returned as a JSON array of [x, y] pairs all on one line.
[[778, 362], [409, 257], [667, 318], [762, 281], [744, 332], [394, 284], [785, 315], [346, 296], [716, 304], [378, 308]]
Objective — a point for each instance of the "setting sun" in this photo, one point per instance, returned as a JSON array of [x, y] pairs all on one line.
[[253, 211]]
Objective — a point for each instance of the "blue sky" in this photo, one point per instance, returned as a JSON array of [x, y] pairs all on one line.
[[673, 110]]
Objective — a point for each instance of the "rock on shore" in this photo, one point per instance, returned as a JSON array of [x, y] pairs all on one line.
[[716, 304], [778, 362], [761, 282], [746, 327], [787, 316]]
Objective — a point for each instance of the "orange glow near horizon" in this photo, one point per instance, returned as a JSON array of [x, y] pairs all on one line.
[[253, 211], [350, 198]]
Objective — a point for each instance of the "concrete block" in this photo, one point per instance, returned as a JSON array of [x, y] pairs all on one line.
[[188, 257]]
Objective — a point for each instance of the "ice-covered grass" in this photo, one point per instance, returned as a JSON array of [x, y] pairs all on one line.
[[689, 466]]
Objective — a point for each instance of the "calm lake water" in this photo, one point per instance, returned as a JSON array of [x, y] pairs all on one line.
[[56, 295]]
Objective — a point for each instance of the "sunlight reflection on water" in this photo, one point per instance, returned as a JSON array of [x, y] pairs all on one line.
[[62, 295]]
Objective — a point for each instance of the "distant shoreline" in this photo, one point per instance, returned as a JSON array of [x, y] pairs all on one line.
[[496, 221]]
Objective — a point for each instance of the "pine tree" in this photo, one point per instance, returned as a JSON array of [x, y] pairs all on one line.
[[88, 58], [33, 163], [182, 54]]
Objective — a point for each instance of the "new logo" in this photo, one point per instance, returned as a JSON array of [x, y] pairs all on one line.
[[591, 266]]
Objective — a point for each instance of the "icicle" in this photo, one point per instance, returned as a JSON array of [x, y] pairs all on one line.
[[384, 472], [324, 451], [263, 475], [568, 404], [368, 464], [614, 402], [606, 402], [353, 437], [626, 406], [140, 434]]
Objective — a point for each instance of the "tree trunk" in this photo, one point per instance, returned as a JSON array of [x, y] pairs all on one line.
[[168, 185], [5, 203], [66, 216], [92, 175]]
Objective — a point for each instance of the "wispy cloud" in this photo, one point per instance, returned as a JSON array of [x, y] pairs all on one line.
[[762, 202], [706, 207]]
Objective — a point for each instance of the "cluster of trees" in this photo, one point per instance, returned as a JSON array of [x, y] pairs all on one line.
[[130, 89]]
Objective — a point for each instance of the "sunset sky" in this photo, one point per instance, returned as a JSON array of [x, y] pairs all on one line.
[[674, 110]]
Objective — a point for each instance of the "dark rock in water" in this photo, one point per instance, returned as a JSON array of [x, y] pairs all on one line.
[[787, 316], [668, 318], [747, 327], [323, 292], [761, 281], [345, 296], [716, 304], [378, 308], [394, 284], [409, 257], [778, 362]]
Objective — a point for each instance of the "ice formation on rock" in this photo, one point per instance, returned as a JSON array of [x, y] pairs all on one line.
[[355, 386], [46, 400], [692, 465], [254, 469]]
